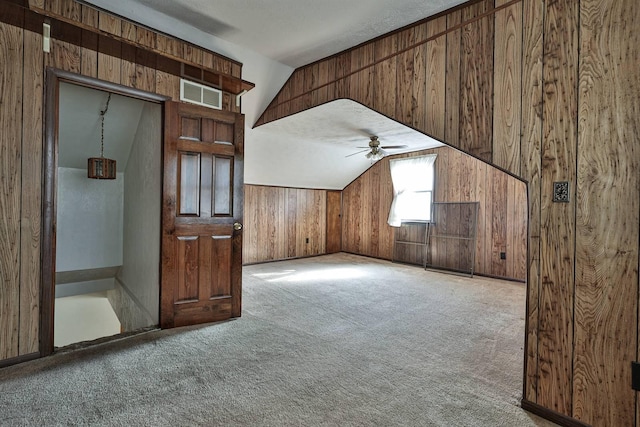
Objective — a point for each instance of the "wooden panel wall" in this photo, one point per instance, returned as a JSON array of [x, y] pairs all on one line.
[[548, 91], [74, 48], [557, 233], [11, 49], [502, 220], [607, 213], [282, 223], [334, 221]]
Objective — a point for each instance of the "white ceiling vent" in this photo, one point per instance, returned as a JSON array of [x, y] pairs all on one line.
[[200, 94]]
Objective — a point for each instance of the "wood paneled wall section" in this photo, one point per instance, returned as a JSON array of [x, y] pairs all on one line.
[[278, 221], [502, 216], [549, 91], [22, 76]]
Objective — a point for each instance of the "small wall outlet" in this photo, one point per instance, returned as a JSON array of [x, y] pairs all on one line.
[[307, 240], [503, 255], [635, 376]]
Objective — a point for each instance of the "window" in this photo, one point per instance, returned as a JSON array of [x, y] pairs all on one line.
[[412, 189]]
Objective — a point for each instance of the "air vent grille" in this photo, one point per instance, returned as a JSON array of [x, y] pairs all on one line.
[[196, 93]]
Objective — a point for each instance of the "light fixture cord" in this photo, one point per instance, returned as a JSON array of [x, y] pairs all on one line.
[[102, 113]]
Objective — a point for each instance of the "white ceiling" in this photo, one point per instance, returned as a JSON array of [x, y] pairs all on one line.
[[298, 32], [271, 38], [315, 148]]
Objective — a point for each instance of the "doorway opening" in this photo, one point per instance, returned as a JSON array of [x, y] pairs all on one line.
[[104, 278]]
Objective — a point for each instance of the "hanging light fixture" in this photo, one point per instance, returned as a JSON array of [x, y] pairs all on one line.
[[101, 167], [376, 153]]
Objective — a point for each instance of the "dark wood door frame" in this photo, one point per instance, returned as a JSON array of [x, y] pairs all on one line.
[[49, 185]]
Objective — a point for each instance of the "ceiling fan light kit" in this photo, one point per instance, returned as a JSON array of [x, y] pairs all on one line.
[[375, 151]]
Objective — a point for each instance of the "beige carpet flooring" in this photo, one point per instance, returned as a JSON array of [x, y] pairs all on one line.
[[338, 340]]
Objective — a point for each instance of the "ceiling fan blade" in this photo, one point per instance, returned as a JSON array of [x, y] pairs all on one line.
[[365, 132], [394, 146], [358, 152]]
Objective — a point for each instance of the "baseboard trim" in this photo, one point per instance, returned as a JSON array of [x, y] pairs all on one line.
[[20, 359], [267, 261], [551, 415]]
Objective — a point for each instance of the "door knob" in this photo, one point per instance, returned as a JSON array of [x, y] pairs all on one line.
[[237, 226]]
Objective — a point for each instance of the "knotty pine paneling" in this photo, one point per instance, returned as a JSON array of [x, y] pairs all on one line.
[[459, 177], [282, 223], [607, 217]]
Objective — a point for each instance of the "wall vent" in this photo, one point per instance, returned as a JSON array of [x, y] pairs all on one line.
[[196, 93]]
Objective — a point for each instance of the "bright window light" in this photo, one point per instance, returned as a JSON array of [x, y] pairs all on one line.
[[412, 189]]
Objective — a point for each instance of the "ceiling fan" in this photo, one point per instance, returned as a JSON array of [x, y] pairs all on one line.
[[375, 150]]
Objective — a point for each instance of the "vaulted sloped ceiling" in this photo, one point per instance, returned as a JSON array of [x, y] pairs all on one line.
[[271, 38]]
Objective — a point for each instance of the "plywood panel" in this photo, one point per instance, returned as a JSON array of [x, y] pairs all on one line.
[[89, 16], [452, 101], [499, 198], [607, 229], [334, 223], [64, 56], [436, 79], [70, 9], [385, 76], [555, 351], [476, 81], [516, 241], [109, 67], [11, 65], [109, 23], [507, 73], [291, 195], [405, 78], [481, 187], [419, 94], [168, 85], [30, 218], [361, 83], [89, 52], [343, 67], [531, 122], [297, 89], [326, 73]]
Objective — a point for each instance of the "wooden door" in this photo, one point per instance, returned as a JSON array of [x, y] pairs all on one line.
[[202, 208]]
